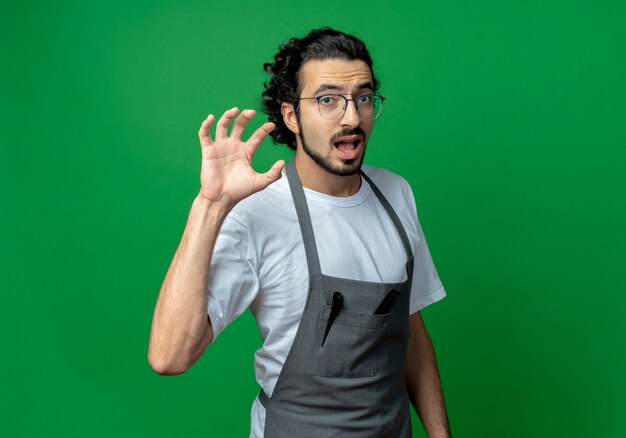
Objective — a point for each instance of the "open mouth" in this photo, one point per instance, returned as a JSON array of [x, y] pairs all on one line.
[[349, 144]]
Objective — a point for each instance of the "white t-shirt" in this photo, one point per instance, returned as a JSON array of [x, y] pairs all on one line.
[[259, 261]]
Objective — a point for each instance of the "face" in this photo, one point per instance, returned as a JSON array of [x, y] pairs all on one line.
[[337, 146]]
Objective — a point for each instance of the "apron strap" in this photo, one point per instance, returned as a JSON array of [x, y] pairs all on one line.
[[393, 216], [304, 218]]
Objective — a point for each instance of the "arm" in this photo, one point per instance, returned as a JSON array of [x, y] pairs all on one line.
[[181, 330], [422, 380]]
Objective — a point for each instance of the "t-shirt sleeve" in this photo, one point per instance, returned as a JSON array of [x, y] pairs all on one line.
[[233, 282], [426, 288]]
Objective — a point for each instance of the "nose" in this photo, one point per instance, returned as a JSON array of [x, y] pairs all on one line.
[[350, 115]]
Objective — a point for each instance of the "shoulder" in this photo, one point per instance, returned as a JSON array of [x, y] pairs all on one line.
[[385, 177], [392, 185], [263, 207]]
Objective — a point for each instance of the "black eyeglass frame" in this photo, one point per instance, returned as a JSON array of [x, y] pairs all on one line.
[[346, 100]]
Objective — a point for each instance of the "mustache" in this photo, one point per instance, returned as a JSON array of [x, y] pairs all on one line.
[[346, 132]]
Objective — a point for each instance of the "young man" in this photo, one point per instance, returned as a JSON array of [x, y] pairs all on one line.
[[329, 257]]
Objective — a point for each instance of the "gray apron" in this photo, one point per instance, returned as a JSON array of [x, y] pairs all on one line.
[[344, 375]]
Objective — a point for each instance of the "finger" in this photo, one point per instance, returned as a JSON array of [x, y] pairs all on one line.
[[274, 174], [205, 130], [221, 129], [241, 122], [259, 135]]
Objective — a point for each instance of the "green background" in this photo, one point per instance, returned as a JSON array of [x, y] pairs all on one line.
[[507, 118]]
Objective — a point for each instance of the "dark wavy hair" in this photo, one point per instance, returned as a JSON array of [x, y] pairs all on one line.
[[285, 85]]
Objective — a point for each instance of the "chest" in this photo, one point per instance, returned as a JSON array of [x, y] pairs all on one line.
[[357, 243]]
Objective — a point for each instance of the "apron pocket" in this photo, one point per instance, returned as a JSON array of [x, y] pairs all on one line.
[[352, 345]]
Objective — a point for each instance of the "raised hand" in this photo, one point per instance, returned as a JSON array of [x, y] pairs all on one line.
[[227, 175]]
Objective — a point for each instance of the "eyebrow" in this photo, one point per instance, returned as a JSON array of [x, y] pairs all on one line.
[[325, 87]]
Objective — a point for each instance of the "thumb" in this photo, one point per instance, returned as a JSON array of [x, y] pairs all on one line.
[[271, 175], [276, 169]]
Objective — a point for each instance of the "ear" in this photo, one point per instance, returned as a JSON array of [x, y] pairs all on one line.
[[289, 117]]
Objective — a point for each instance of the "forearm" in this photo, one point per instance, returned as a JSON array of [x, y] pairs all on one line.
[[180, 328], [423, 382]]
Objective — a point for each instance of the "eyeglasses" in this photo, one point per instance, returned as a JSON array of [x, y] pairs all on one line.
[[333, 106]]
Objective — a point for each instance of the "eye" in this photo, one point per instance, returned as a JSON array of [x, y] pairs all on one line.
[[365, 98], [327, 100]]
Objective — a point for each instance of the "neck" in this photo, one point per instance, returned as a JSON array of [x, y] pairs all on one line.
[[314, 177]]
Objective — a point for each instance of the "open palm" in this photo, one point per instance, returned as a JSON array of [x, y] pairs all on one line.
[[227, 175]]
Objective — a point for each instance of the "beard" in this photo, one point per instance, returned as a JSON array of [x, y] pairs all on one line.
[[347, 167]]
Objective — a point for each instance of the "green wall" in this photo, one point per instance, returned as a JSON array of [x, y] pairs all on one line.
[[507, 118]]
